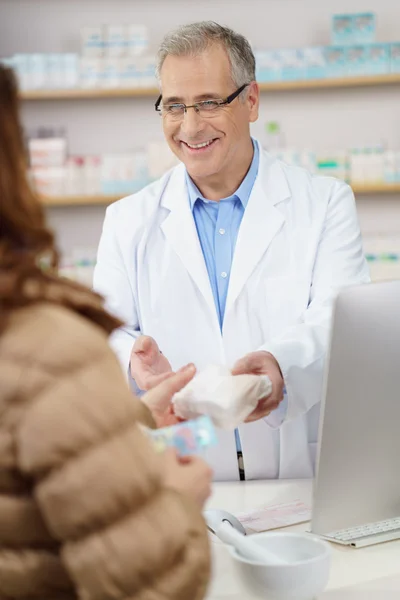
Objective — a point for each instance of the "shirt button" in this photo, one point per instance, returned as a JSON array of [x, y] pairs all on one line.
[[221, 231], [224, 274]]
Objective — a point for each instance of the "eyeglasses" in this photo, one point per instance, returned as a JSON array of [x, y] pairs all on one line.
[[205, 108]]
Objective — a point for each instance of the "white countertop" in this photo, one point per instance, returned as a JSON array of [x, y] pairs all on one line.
[[371, 573]]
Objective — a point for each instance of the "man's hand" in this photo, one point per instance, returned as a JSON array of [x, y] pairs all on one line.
[[148, 365], [262, 363], [158, 400]]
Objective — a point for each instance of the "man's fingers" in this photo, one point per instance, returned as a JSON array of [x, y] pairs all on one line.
[[146, 345], [256, 416], [263, 408], [259, 413], [242, 366], [142, 344], [251, 364], [145, 350]]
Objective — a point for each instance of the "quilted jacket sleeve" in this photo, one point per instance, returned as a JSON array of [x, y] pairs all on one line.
[[98, 481]]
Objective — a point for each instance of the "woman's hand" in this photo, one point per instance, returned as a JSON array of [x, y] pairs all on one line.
[[158, 400], [190, 476]]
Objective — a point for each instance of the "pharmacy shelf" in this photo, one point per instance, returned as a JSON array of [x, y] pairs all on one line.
[[379, 188], [100, 200], [79, 200], [277, 86], [342, 82], [76, 94]]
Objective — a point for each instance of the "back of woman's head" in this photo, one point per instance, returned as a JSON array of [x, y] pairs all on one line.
[[24, 237], [28, 256]]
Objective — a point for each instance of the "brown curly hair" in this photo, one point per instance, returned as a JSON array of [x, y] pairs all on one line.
[[29, 258]]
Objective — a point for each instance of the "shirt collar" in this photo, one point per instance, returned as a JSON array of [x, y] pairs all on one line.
[[244, 190]]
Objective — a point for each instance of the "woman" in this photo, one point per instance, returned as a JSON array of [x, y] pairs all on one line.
[[87, 508]]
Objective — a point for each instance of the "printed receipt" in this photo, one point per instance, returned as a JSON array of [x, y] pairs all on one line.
[[275, 516]]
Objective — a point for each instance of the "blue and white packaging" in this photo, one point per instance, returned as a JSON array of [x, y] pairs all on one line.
[[293, 66], [159, 159], [147, 68], [378, 59], [123, 173], [92, 39], [390, 167], [38, 71], [115, 40], [356, 58], [90, 72], [314, 62], [336, 62], [268, 66], [397, 176], [333, 164], [110, 73], [342, 30], [55, 71], [71, 70], [364, 28], [110, 174], [22, 70], [188, 438], [140, 169], [129, 74], [137, 40], [395, 57]]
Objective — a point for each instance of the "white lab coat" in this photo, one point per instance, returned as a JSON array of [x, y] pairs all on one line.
[[299, 241]]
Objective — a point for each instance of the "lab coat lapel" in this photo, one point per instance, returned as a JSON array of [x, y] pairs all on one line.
[[260, 224], [180, 231]]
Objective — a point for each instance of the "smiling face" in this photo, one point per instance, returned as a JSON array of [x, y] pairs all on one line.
[[211, 146]]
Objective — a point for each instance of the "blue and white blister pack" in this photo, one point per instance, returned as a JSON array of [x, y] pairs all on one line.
[[189, 437]]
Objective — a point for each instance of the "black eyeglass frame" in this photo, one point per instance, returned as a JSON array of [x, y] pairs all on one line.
[[221, 102]]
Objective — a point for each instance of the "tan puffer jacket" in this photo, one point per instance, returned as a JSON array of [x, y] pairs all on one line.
[[83, 510]]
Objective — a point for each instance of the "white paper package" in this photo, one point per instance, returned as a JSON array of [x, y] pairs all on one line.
[[227, 399]]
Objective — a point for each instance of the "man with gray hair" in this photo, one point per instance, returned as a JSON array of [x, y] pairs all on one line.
[[231, 258]]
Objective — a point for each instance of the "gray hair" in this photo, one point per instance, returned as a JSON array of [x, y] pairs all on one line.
[[195, 38]]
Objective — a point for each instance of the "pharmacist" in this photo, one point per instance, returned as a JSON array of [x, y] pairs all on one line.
[[232, 257]]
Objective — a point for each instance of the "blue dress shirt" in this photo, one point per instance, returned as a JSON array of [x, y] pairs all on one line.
[[218, 226]]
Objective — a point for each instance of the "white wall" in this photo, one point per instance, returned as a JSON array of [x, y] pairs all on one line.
[[321, 119]]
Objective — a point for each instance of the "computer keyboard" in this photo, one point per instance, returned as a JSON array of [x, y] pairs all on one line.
[[364, 534]]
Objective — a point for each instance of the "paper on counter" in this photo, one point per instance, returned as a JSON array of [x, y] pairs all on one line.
[[275, 516]]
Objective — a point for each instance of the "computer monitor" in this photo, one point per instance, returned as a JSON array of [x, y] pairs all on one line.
[[357, 484]]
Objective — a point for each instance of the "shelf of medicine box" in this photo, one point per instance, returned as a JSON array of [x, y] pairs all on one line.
[[88, 93], [342, 82], [105, 200], [97, 200], [372, 80], [375, 188]]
